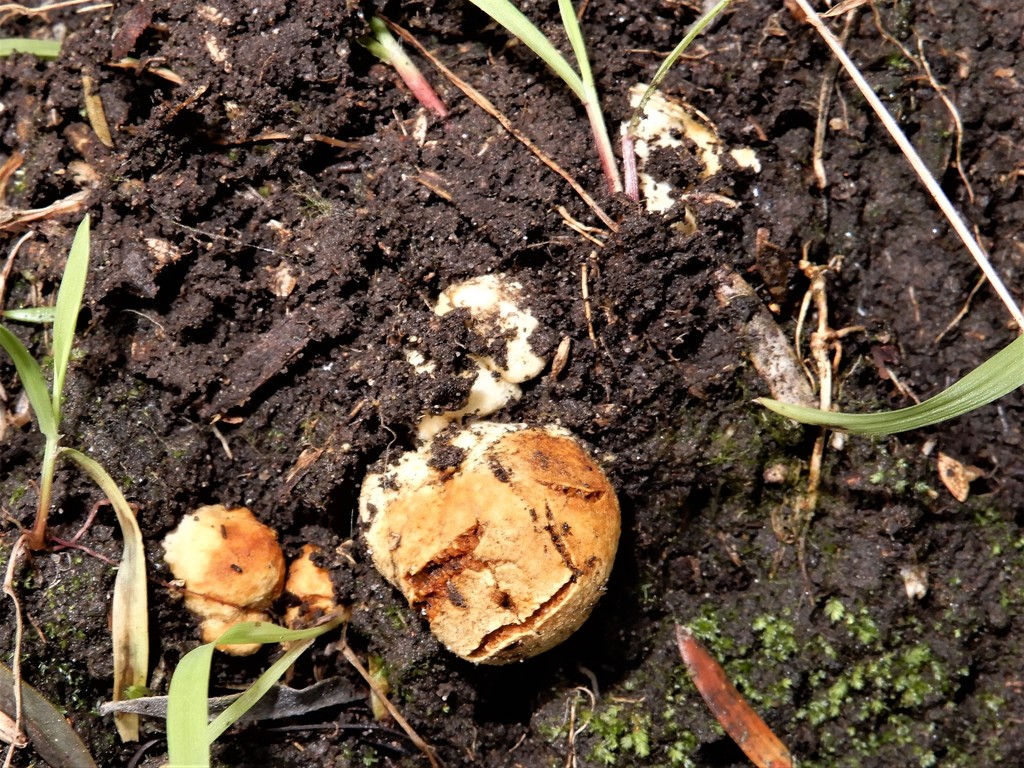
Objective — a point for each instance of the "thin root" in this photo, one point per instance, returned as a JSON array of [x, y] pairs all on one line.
[[824, 99], [963, 310], [17, 553]]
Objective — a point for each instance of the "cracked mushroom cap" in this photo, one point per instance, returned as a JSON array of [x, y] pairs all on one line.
[[502, 536], [232, 567]]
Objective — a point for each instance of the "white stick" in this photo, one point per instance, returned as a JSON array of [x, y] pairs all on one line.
[[916, 163]]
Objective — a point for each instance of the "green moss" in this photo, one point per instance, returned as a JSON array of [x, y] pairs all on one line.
[[707, 626], [17, 495], [777, 636], [871, 707], [622, 732], [834, 609], [274, 440], [314, 204], [877, 706], [860, 625], [898, 62], [893, 680], [891, 475], [396, 615], [679, 752]]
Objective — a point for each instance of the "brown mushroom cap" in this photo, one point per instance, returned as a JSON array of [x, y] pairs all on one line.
[[503, 536], [232, 567]]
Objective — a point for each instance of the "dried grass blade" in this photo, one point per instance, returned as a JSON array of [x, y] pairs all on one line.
[[129, 614], [952, 215]]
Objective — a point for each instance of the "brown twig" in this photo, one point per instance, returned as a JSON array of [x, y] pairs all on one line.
[[485, 104], [414, 737]]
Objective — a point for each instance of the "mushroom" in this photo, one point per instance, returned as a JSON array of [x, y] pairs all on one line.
[[311, 585], [232, 568], [501, 535]]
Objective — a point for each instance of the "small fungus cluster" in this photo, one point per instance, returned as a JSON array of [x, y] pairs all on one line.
[[232, 569]]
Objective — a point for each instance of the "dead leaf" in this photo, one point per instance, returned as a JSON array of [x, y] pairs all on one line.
[[957, 476], [51, 736], [732, 711], [12, 218]]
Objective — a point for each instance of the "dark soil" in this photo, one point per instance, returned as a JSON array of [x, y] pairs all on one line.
[[202, 374]]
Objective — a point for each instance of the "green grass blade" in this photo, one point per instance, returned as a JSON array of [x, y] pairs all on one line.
[[236, 709], [129, 623], [38, 315], [44, 49], [373, 43], [512, 19], [188, 710], [579, 48], [998, 376], [385, 47], [69, 301], [32, 379], [673, 57], [188, 734], [590, 98]]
